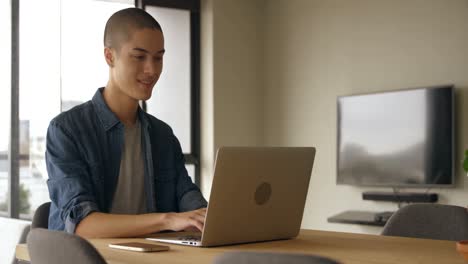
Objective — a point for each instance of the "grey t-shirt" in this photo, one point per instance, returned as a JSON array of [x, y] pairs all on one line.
[[129, 197]]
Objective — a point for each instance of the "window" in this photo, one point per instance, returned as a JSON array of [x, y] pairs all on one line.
[[5, 100], [61, 64], [84, 69], [39, 96], [73, 50], [175, 97], [190, 170], [171, 97]]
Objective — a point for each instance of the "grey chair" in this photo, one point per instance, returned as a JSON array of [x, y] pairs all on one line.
[[432, 221], [270, 258], [57, 247], [41, 216]]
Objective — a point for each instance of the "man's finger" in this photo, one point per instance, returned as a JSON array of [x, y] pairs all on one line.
[[202, 214], [199, 218], [197, 224]]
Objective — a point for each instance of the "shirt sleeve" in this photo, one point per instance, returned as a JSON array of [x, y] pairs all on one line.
[[189, 195], [69, 182]]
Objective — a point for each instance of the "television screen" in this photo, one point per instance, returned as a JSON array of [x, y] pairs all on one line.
[[401, 138]]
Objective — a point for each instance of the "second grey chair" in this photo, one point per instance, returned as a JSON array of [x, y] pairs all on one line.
[[270, 258], [57, 247], [432, 221], [41, 216]]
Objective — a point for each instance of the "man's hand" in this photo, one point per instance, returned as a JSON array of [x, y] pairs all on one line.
[[98, 225], [186, 221]]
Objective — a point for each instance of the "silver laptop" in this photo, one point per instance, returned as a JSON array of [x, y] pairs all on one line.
[[257, 194]]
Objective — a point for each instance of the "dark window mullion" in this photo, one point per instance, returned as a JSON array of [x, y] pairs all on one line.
[[139, 4], [192, 5], [195, 85], [13, 150], [191, 159]]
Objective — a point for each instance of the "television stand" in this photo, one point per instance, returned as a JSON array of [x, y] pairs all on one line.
[[401, 197], [383, 216], [361, 218]]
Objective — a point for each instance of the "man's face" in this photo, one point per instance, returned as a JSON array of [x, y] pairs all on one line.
[[137, 66]]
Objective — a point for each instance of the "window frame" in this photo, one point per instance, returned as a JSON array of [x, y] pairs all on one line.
[[192, 158], [14, 146], [14, 156]]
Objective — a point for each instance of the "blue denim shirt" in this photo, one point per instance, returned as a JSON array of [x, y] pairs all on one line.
[[83, 155]]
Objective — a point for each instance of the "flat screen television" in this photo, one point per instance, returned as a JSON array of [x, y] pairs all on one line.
[[402, 138]]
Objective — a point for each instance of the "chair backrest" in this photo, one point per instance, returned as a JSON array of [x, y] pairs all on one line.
[[41, 216], [267, 258], [14, 231], [57, 247], [432, 221]]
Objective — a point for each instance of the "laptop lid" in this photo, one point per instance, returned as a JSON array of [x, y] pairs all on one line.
[[257, 194]]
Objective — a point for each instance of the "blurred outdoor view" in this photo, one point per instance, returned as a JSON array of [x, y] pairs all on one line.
[[75, 69], [62, 65]]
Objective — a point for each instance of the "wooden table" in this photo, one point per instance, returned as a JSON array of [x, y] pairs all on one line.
[[345, 247]]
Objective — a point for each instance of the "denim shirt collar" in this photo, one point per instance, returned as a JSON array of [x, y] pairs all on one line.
[[107, 117]]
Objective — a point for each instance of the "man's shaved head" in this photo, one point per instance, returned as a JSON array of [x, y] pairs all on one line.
[[122, 24]]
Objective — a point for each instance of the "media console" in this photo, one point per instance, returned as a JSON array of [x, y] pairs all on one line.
[[401, 197], [380, 218], [361, 218]]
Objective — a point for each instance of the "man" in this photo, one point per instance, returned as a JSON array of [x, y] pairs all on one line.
[[114, 170]]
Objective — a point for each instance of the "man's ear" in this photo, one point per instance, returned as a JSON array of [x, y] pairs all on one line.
[[109, 55]]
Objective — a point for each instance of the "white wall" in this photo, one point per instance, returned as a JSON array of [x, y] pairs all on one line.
[[206, 96], [312, 51], [318, 50], [232, 78]]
